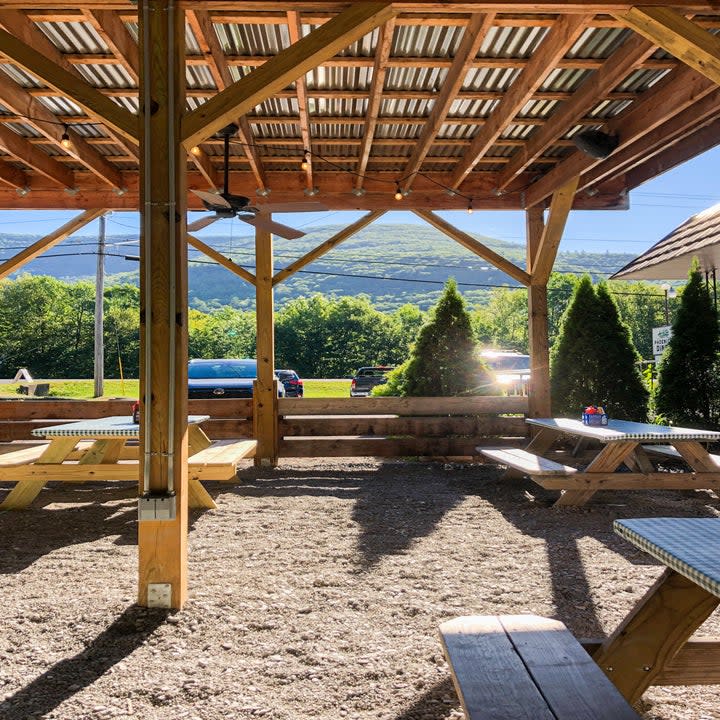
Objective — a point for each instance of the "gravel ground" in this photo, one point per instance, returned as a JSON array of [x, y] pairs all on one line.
[[316, 589]]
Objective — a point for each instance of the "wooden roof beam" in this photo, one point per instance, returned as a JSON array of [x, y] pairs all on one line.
[[475, 32], [202, 27], [596, 87], [700, 141], [69, 84], [39, 247], [220, 259], [676, 128], [325, 247], [679, 36], [295, 33], [34, 113], [375, 95], [118, 38], [284, 68], [37, 159], [546, 252], [470, 243], [672, 95], [556, 43], [12, 176]]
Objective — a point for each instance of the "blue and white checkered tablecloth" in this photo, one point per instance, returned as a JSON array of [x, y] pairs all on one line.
[[114, 426], [690, 546], [617, 430]]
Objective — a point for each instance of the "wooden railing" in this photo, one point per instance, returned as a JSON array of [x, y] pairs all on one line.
[[395, 427], [317, 427]]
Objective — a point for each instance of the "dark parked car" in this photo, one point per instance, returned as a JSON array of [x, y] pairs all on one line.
[[366, 378], [292, 382], [223, 378]]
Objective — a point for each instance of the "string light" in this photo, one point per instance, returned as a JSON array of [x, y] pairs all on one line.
[[195, 150], [65, 138], [305, 164], [470, 207], [398, 192]]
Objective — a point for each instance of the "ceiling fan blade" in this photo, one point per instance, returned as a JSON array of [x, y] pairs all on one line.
[[268, 225], [288, 207], [213, 199], [202, 223]]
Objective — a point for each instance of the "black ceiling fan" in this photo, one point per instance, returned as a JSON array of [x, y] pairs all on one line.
[[226, 205]]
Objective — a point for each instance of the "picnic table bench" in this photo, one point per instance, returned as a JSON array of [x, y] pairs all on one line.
[[525, 667], [622, 443]]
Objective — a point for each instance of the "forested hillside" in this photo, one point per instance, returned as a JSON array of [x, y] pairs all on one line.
[[391, 264]]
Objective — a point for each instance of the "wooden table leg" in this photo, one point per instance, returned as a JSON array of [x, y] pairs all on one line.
[[197, 440], [103, 452], [27, 489], [607, 460], [696, 456], [653, 632], [198, 496]]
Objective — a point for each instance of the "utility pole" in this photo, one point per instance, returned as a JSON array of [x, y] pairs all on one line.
[[99, 369]]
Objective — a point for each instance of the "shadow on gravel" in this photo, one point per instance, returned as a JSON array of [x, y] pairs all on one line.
[[70, 676], [391, 516], [562, 528], [433, 703]]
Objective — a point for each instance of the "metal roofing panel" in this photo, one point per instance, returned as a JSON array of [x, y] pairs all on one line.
[[564, 80], [512, 42], [21, 77], [598, 43], [415, 78], [249, 39], [489, 79], [199, 76], [426, 41], [74, 37], [105, 76], [641, 80], [339, 78], [472, 108], [61, 106], [405, 108]]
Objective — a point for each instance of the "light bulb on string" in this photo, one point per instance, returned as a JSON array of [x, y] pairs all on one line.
[[470, 207], [398, 192], [305, 164], [195, 150], [65, 138]]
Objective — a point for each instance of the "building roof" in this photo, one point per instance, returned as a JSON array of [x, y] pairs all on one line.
[[670, 258], [472, 103]]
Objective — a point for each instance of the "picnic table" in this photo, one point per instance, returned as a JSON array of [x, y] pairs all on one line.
[[106, 449], [631, 444], [650, 639]]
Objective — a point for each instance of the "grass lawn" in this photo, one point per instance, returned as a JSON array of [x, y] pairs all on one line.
[[130, 389]]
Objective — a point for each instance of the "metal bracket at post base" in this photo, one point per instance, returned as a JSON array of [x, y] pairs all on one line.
[[157, 506]]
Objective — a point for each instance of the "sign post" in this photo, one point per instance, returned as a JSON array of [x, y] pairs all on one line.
[[660, 338]]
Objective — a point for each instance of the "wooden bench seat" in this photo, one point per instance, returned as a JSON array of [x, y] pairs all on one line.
[[667, 450], [219, 460], [526, 462], [25, 455], [525, 667]]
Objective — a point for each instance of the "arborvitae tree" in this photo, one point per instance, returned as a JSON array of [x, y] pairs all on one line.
[[594, 361], [688, 391], [442, 360]]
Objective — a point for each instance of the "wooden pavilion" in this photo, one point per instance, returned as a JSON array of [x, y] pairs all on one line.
[[119, 105]]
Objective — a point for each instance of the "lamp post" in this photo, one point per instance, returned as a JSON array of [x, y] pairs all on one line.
[[670, 292]]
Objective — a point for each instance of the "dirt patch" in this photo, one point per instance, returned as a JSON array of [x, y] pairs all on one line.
[[316, 591]]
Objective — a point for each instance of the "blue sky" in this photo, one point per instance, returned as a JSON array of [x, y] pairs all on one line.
[[656, 208]]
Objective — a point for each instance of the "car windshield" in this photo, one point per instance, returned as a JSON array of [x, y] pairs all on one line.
[[508, 362], [373, 372], [222, 369]]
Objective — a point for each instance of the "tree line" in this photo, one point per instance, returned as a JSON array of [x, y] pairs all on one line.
[[47, 325]]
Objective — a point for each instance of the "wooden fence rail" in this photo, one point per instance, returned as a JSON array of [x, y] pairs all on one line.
[[320, 427]]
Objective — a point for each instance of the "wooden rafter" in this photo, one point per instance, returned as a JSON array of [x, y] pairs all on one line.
[[470, 243], [22, 150], [598, 85], [70, 84], [673, 94], [118, 38], [12, 176], [295, 32], [325, 247], [39, 247], [284, 68], [546, 252], [679, 36], [555, 44], [475, 32], [375, 96], [221, 259]]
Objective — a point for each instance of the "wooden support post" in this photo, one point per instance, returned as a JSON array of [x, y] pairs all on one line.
[[265, 418], [162, 544], [539, 392]]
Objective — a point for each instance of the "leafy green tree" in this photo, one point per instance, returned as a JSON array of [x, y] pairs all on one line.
[[442, 360], [593, 360], [688, 391]]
